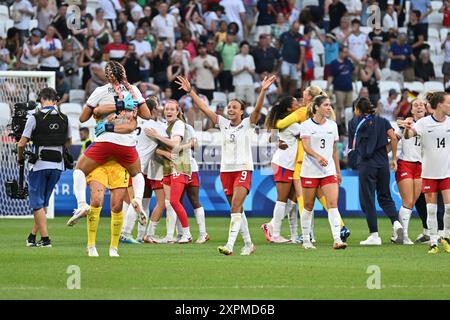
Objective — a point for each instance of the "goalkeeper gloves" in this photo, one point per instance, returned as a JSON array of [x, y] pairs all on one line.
[[103, 127], [128, 104]]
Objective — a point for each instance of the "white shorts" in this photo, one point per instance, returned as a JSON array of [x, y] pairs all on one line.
[[290, 70]]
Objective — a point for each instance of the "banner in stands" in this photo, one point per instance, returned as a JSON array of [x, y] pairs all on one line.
[[260, 201]]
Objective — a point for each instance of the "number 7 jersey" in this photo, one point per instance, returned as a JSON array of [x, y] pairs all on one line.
[[435, 140]]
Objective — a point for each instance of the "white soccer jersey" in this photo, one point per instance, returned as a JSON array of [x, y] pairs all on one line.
[[411, 148], [236, 145], [191, 135], [146, 148], [435, 139], [286, 158], [105, 95], [322, 138]]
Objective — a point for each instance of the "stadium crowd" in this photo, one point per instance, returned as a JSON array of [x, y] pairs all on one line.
[[228, 46]]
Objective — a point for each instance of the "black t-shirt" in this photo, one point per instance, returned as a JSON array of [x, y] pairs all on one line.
[[336, 12], [372, 85], [266, 15], [424, 71], [291, 46], [132, 69], [376, 46], [60, 24], [413, 33], [265, 60]]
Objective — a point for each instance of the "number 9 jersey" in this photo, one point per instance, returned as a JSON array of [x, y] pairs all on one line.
[[321, 138]]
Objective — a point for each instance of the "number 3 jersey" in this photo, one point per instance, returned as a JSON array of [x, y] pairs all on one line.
[[435, 139], [236, 145], [321, 138]]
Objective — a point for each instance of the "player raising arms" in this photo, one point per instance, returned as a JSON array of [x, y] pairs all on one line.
[[113, 139], [320, 168], [409, 170], [434, 132], [283, 165], [236, 162]]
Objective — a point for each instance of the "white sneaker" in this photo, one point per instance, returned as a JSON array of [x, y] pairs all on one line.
[[308, 246], [397, 237], [202, 239], [280, 239], [78, 214], [92, 252], [248, 250], [142, 215], [372, 240], [165, 240], [185, 239], [113, 252], [407, 241]]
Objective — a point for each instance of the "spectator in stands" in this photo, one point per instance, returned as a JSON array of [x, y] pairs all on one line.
[[186, 101], [210, 126], [196, 119], [144, 53], [160, 61], [353, 7], [401, 59], [235, 12], [390, 19], [212, 16], [306, 57], [446, 66], [331, 48], [341, 78], [279, 27], [174, 70], [424, 68], [44, 15], [210, 49], [60, 22], [62, 88], [266, 17], [86, 58], [336, 10], [115, 50], [85, 139], [387, 105], [425, 9], [146, 23], [221, 34], [227, 50], [84, 31], [110, 8], [165, 24], [359, 46], [445, 10], [29, 58], [126, 27], [379, 40], [206, 69], [416, 34], [101, 28], [266, 57], [370, 75], [343, 30], [131, 64], [4, 55], [136, 11], [69, 62], [183, 54], [190, 42], [403, 106], [290, 54], [273, 92], [243, 69], [21, 13], [97, 70], [363, 93], [195, 24], [51, 51], [13, 46]]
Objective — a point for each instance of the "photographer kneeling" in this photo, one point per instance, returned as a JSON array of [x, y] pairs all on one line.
[[49, 131]]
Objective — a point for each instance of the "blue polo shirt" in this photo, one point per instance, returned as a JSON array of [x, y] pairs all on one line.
[[331, 51], [291, 46], [396, 49], [342, 75]]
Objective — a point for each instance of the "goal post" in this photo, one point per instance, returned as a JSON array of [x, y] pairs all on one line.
[[15, 87]]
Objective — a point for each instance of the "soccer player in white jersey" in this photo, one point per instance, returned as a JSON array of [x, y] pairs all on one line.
[[153, 174], [236, 163], [283, 165], [112, 141], [409, 169], [320, 169], [434, 132]]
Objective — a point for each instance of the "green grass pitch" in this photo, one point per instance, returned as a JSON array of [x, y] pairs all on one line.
[[199, 272]]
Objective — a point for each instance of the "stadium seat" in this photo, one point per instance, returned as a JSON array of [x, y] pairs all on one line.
[[4, 12], [318, 73], [443, 32], [433, 35], [74, 108], [385, 86], [414, 86], [322, 84], [433, 86], [76, 96], [220, 97], [385, 73], [33, 24], [231, 96], [435, 47], [437, 59], [438, 71], [436, 5], [357, 86], [435, 19]]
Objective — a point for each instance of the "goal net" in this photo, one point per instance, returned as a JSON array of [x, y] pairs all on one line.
[[15, 87]]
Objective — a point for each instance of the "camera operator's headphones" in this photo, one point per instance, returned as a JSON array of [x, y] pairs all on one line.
[[49, 94]]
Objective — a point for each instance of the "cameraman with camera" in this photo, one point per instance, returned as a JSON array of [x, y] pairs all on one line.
[[50, 133]]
